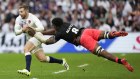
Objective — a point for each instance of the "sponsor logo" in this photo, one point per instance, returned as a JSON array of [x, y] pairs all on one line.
[[137, 47], [11, 43]]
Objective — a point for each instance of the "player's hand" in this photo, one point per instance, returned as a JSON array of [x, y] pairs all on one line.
[[24, 29], [30, 31]]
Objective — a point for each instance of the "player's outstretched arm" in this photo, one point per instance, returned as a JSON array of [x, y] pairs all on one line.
[[51, 40], [49, 32]]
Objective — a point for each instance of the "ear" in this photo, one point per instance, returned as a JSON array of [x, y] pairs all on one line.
[[27, 10]]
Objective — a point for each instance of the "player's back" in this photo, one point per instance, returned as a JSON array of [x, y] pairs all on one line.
[[68, 32]]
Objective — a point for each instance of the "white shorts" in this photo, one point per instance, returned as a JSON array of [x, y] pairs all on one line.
[[37, 43]]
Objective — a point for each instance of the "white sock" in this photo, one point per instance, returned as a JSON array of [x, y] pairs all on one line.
[[28, 53], [48, 58]]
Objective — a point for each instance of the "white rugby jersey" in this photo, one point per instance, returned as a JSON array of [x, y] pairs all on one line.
[[32, 21]]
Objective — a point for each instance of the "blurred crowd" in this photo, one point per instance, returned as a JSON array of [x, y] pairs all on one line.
[[107, 15]]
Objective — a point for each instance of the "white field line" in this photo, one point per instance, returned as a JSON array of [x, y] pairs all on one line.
[[60, 71], [34, 78], [105, 59], [83, 65], [123, 54]]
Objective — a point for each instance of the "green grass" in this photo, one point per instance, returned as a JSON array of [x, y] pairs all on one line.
[[98, 68]]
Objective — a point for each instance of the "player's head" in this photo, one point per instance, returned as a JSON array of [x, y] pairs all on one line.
[[23, 10], [57, 22]]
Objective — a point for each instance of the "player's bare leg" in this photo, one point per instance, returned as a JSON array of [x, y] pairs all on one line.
[[28, 47], [111, 35], [40, 55], [103, 53]]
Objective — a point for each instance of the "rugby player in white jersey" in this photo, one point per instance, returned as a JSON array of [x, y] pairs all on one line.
[[24, 22]]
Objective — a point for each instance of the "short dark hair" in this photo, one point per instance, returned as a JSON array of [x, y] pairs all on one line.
[[24, 5], [57, 22]]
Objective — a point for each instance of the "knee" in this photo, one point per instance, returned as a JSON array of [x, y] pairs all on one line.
[[26, 50]]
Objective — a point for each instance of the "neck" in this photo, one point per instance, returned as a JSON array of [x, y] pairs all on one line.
[[57, 28], [27, 16]]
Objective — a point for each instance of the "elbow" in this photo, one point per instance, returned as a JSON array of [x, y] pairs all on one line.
[[42, 29], [16, 33]]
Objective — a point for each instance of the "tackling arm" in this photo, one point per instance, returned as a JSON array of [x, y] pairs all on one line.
[[49, 32], [51, 40]]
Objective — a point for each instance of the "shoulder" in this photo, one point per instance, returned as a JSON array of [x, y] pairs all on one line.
[[18, 19], [65, 24], [32, 15]]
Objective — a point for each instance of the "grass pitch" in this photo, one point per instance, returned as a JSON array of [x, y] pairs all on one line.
[[82, 66]]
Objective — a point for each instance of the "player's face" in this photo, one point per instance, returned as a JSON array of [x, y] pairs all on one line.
[[23, 13]]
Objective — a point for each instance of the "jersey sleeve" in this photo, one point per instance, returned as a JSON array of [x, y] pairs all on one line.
[[17, 27], [39, 25], [57, 36]]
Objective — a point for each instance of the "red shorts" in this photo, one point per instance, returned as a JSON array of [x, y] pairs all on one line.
[[89, 38]]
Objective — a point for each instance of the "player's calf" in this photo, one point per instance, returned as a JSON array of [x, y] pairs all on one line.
[[125, 63], [103, 53], [50, 59]]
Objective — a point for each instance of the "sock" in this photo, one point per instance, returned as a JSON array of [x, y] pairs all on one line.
[[28, 58], [54, 60], [118, 61], [108, 35]]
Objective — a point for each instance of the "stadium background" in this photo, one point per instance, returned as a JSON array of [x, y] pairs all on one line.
[[107, 15]]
